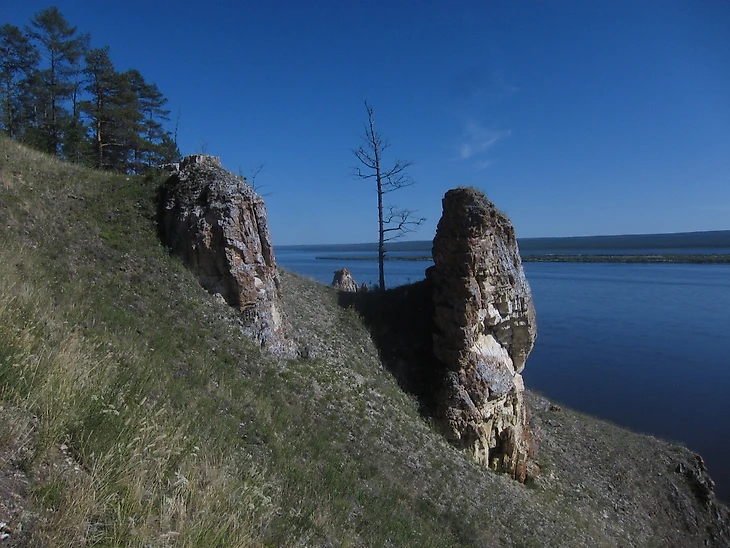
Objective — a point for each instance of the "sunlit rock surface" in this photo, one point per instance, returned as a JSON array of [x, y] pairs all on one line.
[[343, 281], [216, 222], [484, 330]]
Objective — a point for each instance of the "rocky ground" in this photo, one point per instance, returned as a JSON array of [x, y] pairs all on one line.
[[613, 486]]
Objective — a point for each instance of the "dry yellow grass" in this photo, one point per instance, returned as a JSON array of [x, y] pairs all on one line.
[[152, 485]]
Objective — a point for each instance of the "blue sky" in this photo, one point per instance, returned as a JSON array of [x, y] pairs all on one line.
[[574, 117]]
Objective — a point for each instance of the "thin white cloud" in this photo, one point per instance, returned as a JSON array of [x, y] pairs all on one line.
[[483, 164], [477, 139]]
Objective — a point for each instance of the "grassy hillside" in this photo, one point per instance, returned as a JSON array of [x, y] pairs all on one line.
[[133, 412]]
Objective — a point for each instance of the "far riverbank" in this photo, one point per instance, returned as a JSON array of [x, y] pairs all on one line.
[[566, 258]]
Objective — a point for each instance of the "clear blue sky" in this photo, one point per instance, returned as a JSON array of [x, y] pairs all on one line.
[[574, 117]]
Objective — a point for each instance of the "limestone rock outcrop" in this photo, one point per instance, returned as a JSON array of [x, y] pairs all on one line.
[[484, 329], [216, 222], [343, 281]]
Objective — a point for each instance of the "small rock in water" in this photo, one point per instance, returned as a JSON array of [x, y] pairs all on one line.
[[343, 281]]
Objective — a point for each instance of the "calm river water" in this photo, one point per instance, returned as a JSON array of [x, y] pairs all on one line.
[[646, 346]]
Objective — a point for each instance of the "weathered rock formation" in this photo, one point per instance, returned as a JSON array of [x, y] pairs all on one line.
[[216, 222], [484, 323], [343, 281]]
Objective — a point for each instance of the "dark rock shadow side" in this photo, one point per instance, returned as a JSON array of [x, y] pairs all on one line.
[[400, 321]]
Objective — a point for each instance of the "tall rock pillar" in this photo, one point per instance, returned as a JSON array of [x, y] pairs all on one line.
[[484, 323]]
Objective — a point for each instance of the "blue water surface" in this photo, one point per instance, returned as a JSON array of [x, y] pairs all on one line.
[[646, 346], [305, 262], [643, 345]]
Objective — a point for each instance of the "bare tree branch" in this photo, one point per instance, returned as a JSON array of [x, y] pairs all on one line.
[[402, 222], [387, 179], [251, 179]]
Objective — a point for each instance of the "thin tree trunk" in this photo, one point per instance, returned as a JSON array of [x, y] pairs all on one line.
[[53, 134], [98, 143], [381, 239], [381, 224], [9, 111]]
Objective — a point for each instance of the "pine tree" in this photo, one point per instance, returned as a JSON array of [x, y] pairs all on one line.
[[18, 59], [150, 131], [61, 48], [75, 145], [106, 89], [76, 105], [125, 114], [166, 151]]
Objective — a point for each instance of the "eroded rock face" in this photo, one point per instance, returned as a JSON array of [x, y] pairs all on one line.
[[343, 281], [484, 330], [216, 222]]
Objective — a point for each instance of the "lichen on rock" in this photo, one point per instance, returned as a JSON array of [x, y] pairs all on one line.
[[484, 323], [217, 223]]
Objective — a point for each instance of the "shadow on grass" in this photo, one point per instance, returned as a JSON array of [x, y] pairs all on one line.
[[400, 321]]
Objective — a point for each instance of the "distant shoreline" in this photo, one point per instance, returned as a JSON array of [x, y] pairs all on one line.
[[713, 241], [674, 258], [570, 258], [375, 258]]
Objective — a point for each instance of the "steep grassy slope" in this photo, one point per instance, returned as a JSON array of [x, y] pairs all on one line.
[[133, 412]]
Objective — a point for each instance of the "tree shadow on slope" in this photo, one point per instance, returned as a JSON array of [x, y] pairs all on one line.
[[400, 322]]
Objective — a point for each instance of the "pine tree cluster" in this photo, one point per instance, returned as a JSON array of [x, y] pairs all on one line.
[[63, 97]]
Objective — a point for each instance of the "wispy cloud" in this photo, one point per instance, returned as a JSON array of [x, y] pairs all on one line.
[[477, 139]]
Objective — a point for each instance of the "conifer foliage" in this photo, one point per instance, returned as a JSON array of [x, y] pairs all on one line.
[[59, 95]]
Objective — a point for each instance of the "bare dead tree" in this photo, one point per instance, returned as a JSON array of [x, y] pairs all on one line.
[[387, 179], [251, 179]]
